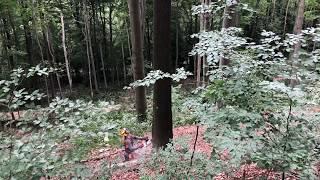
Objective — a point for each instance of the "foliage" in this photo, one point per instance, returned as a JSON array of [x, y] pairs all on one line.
[[253, 122], [153, 76], [181, 113], [174, 162], [12, 95], [51, 141]]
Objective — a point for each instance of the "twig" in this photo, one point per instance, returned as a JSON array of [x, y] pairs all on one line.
[[194, 146]]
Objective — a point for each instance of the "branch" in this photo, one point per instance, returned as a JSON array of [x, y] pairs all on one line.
[[194, 147]]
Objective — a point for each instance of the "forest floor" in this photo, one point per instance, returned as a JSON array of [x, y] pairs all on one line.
[[130, 170]]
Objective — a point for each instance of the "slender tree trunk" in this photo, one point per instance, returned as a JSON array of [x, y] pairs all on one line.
[[296, 48], [285, 18], [86, 35], [200, 58], [118, 76], [51, 51], [111, 38], [128, 39], [137, 57], [177, 40], [8, 44], [103, 67], [51, 78], [149, 45], [43, 61], [28, 39], [65, 52], [229, 20], [124, 65], [199, 62], [206, 26], [93, 67], [162, 112]]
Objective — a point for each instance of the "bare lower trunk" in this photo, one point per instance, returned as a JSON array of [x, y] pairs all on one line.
[[137, 57], [162, 102]]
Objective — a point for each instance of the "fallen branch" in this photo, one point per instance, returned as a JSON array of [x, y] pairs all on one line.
[[194, 146]]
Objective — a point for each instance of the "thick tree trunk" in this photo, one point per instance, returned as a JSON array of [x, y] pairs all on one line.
[[65, 52], [162, 112], [137, 57]]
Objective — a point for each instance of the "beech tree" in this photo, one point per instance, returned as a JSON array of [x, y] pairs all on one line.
[[162, 112], [136, 21]]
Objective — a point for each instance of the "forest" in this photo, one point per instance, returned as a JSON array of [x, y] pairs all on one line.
[[160, 89]]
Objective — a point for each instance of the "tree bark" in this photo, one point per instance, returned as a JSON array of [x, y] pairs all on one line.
[[229, 20], [137, 57], [124, 65], [285, 18], [103, 67], [88, 53], [65, 52], [162, 112], [293, 58], [51, 51], [93, 67]]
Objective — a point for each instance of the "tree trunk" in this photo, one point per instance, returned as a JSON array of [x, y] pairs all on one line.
[[124, 65], [51, 51], [103, 67], [86, 35], [137, 57], [254, 24], [285, 18], [51, 78], [177, 39], [28, 39], [111, 38], [200, 58], [93, 67], [8, 45], [229, 11], [162, 112], [65, 52], [293, 58]]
